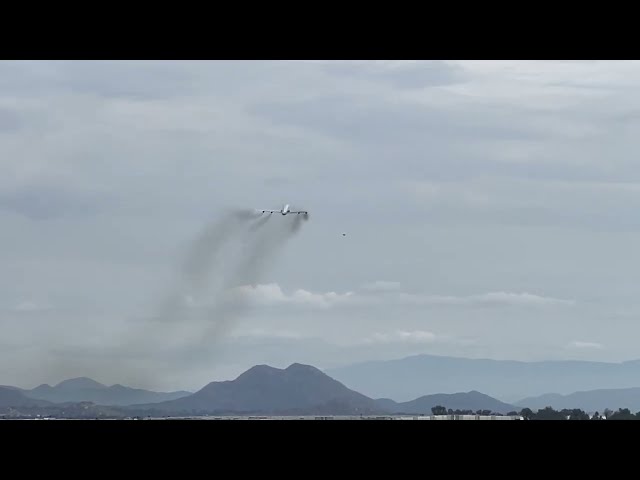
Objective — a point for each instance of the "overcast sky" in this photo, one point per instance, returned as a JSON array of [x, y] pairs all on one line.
[[491, 209]]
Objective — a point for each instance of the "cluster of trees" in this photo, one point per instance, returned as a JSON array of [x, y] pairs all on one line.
[[440, 410], [547, 413]]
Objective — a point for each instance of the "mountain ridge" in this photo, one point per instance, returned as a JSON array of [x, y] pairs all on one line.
[[303, 389], [472, 400], [83, 389], [298, 389], [409, 377], [588, 400], [13, 397]]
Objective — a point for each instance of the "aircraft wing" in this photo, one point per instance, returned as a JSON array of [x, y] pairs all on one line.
[[268, 211], [306, 213]]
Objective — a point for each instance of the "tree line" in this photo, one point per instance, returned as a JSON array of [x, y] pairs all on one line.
[[547, 413]]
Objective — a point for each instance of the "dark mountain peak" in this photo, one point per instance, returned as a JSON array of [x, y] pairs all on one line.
[[258, 371], [79, 383], [11, 397], [267, 375], [42, 389], [304, 369], [295, 389], [262, 371], [300, 366], [44, 385], [477, 394]]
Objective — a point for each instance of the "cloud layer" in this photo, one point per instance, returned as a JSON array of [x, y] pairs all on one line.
[[487, 200], [384, 293], [585, 345]]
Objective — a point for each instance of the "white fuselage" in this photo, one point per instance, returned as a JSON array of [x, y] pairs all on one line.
[[285, 210]]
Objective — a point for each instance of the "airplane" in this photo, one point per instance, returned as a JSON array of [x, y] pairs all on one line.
[[285, 210]]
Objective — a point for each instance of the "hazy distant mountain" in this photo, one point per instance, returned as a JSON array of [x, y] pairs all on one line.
[[456, 401], [81, 383], [87, 390], [13, 397], [410, 377], [590, 401], [298, 389]]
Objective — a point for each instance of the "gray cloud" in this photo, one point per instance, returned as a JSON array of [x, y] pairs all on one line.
[[384, 123], [272, 295], [45, 202], [402, 74], [416, 336], [385, 294], [584, 345], [10, 121], [29, 306], [381, 286], [131, 79]]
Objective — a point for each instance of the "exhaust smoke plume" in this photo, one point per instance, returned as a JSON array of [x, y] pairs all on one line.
[[197, 311], [200, 309]]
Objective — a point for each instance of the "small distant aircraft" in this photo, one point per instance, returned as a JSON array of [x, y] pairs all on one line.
[[284, 211]]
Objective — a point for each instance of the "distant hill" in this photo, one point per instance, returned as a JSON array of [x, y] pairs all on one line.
[[590, 401], [13, 397], [87, 390], [80, 383], [407, 378], [456, 401], [298, 389]]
